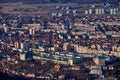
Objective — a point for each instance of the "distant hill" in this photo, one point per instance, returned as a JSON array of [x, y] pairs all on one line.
[[62, 1]]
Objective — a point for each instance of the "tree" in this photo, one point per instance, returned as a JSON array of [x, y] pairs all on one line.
[[29, 55]]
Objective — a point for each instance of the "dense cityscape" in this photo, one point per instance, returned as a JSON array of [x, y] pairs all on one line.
[[60, 40]]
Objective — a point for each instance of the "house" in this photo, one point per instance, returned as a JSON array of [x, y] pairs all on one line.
[[75, 67], [95, 70]]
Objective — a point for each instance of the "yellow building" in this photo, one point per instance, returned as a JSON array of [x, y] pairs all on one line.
[[22, 56]]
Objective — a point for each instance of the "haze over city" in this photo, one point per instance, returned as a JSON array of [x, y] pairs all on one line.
[[59, 39]]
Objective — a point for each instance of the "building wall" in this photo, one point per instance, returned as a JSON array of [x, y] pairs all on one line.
[[98, 61], [22, 56]]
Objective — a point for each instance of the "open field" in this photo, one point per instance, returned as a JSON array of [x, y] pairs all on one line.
[[40, 9], [29, 9]]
